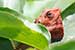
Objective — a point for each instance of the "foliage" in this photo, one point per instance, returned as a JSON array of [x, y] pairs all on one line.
[[17, 24]]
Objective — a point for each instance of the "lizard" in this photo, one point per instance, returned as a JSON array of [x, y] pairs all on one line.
[[52, 20]]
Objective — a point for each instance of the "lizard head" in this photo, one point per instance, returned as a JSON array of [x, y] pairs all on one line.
[[48, 17], [51, 18]]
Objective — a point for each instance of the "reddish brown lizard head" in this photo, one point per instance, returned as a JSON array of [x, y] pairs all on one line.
[[51, 18]]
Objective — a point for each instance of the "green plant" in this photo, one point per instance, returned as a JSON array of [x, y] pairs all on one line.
[[16, 24]]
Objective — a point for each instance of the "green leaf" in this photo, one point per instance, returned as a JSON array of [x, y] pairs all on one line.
[[5, 44], [69, 10], [39, 28], [65, 46], [12, 27]]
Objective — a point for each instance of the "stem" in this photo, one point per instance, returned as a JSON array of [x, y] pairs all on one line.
[[13, 44]]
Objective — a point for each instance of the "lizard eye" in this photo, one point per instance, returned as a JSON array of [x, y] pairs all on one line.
[[49, 15]]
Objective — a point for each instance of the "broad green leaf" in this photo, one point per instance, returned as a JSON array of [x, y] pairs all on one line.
[[69, 10], [5, 44], [13, 28], [39, 28], [65, 46]]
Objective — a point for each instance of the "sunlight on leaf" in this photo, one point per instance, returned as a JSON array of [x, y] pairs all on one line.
[[13, 28], [39, 28]]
